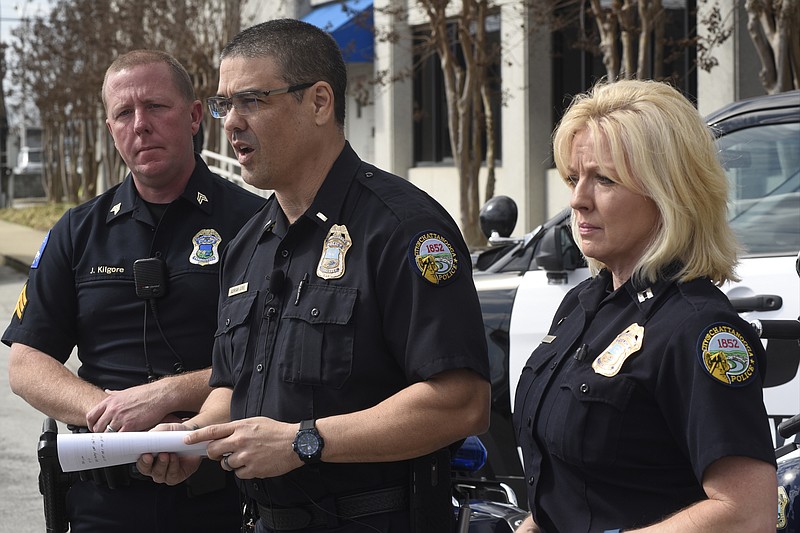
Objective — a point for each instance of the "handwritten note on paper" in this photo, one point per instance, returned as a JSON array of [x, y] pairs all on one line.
[[83, 451]]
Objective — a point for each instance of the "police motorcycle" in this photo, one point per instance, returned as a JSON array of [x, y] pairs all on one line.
[[483, 505], [480, 505], [787, 454]]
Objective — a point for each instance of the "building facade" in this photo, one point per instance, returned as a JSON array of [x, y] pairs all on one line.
[[538, 70]]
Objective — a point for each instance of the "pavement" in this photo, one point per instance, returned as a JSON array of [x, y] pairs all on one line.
[[18, 245], [21, 508]]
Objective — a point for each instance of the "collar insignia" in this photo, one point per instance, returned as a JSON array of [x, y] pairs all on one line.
[[201, 198], [116, 208]]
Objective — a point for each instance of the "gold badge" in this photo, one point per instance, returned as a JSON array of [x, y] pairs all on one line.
[[331, 264], [783, 503], [626, 344]]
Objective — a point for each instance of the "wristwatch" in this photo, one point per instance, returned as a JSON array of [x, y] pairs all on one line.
[[308, 443]]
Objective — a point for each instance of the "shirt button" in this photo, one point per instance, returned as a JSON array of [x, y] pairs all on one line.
[[531, 480], [271, 312], [553, 365], [584, 387], [368, 174], [284, 253], [255, 486], [227, 321], [315, 312], [259, 367]]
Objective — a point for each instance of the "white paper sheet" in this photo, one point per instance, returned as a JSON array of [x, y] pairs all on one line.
[[83, 451]]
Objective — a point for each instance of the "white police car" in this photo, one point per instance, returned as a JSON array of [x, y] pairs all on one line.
[[521, 281]]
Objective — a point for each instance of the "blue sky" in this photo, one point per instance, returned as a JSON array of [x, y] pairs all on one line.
[[13, 10]]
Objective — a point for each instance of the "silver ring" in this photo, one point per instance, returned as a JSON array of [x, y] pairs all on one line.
[[225, 463], [109, 429]]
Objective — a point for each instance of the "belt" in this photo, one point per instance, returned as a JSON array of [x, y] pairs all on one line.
[[349, 507]]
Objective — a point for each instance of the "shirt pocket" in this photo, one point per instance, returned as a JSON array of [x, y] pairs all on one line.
[[529, 386], [233, 333], [317, 344], [584, 424]]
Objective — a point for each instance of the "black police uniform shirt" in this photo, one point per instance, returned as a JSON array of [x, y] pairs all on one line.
[[630, 397], [80, 290], [366, 293]]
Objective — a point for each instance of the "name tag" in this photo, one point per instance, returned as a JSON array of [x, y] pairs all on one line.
[[237, 289]]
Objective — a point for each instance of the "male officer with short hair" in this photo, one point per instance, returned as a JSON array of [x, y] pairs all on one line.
[[131, 279]]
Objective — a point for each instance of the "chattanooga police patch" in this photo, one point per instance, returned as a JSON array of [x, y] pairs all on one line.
[[433, 258], [206, 247], [726, 355]]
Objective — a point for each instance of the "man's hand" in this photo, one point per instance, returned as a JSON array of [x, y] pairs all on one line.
[[168, 468], [253, 447], [528, 526], [135, 409]]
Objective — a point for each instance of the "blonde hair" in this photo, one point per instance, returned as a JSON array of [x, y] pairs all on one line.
[[663, 150]]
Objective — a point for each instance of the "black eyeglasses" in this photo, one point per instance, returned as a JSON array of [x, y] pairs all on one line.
[[246, 102]]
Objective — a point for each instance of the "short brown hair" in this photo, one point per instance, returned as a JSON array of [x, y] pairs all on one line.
[[181, 78]]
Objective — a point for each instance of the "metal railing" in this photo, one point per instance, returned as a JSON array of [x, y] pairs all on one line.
[[229, 168]]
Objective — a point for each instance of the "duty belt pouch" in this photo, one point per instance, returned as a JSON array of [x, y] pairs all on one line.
[[210, 477], [431, 493]]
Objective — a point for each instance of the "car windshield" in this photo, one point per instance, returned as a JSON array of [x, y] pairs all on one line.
[[763, 168]]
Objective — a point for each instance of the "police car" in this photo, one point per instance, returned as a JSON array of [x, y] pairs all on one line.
[[521, 281]]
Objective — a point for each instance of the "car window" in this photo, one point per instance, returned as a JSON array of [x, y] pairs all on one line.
[[763, 168]]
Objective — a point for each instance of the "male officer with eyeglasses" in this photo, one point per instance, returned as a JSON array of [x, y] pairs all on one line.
[[350, 350], [145, 353]]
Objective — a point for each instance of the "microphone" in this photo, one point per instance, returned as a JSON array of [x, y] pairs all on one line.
[[276, 280], [150, 278]]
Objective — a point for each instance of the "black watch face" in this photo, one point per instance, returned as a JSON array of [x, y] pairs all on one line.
[[307, 443]]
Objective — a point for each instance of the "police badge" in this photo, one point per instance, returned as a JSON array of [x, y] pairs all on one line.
[[206, 244], [331, 264], [626, 344]]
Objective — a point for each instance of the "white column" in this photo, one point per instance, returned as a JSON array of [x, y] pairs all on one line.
[[526, 73], [394, 134]]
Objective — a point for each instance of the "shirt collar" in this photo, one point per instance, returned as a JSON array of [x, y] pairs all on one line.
[[198, 193], [646, 296], [326, 209]]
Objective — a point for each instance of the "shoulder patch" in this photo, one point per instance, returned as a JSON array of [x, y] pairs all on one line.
[[726, 356], [38, 257], [433, 258]]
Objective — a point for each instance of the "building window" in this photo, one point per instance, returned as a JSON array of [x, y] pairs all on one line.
[[431, 132], [576, 68]]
